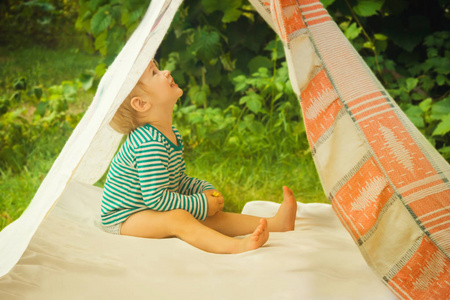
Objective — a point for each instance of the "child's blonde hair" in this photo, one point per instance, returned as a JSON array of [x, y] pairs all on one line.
[[125, 120]]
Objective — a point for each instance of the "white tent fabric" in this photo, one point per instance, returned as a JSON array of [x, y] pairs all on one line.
[[87, 153], [71, 257], [57, 250]]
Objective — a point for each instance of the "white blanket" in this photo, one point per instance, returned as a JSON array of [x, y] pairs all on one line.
[[70, 257]]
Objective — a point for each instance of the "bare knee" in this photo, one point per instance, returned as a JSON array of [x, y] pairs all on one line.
[[179, 220]]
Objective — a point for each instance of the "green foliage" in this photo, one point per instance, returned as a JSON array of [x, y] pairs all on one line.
[[232, 75], [18, 188], [231, 9], [27, 114], [260, 122], [47, 22], [109, 23], [367, 8], [40, 104]]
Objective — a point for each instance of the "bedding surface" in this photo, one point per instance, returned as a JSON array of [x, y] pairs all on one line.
[[71, 257]]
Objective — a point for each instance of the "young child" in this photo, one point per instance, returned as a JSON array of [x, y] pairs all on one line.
[[147, 193]]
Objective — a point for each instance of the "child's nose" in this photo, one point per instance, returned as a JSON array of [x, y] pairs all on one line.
[[166, 73]]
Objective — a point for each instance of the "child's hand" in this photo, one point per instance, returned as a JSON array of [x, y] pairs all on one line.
[[215, 202]]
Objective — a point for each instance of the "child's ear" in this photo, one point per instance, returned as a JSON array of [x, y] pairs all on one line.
[[140, 105]]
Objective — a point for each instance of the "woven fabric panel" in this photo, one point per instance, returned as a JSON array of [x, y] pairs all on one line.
[[388, 185]]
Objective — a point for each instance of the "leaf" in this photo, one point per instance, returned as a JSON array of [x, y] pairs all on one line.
[[380, 37], [381, 45], [443, 127], [40, 108], [20, 84], [199, 94], [115, 39], [100, 41], [368, 45], [230, 8], [240, 86], [231, 15], [86, 80], [128, 18], [441, 79], [240, 83], [100, 69], [440, 64], [101, 20], [68, 90], [37, 91], [253, 101], [417, 96], [94, 4], [445, 150], [352, 32], [211, 5], [415, 114], [440, 109], [256, 127], [425, 105], [276, 47], [125, 18], [41, 5], [227, 63], [136, 15], [326, 3], [427, 82], [259, 62], [239, 78], [254, 104], [206, 45], [4, 105], [367, 8], [411, 83]]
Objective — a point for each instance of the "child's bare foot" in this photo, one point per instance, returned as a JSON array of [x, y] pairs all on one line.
[[255, 240], [284, 220]]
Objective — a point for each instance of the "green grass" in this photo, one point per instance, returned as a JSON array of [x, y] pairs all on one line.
[[43, 66], [17, 189], [258, 178]]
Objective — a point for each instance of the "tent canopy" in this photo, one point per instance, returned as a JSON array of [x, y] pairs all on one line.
[[388, 186]]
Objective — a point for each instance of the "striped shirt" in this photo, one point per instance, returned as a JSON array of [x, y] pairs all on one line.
[[148, 172]]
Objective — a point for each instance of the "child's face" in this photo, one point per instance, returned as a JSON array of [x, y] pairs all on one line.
[[160, 85]]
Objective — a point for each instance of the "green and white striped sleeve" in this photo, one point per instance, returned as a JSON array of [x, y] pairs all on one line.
[[152, 162], [190, 185]]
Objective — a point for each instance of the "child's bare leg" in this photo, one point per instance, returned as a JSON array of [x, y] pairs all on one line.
[[181, 224], [233, 224]]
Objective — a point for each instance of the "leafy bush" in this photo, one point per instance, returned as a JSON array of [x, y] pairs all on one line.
[[109, 23], [30, 113], [46, 22], [237, 94], [232, 75]]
